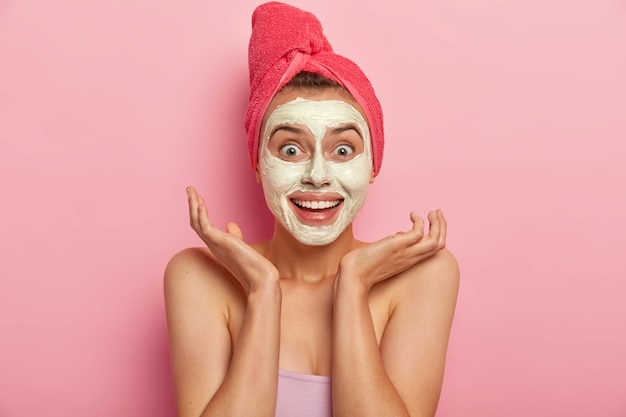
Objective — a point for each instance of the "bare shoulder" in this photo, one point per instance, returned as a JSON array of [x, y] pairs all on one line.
[[443, 264], [438, 276], [189, 261], [198, 289], [196, 269]]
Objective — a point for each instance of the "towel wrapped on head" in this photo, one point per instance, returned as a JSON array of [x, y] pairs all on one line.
[[286, 41]]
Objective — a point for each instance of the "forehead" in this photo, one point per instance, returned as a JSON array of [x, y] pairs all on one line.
[[290, 94]]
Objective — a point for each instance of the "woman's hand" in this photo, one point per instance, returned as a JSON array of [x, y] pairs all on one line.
[[394, 254], [250, 268]]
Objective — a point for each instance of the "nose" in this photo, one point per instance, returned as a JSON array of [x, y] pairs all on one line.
[[317, 171]]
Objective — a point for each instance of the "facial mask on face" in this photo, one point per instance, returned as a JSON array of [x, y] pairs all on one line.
[[316, 175]]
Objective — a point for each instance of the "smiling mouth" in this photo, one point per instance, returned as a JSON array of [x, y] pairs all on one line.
[[316, 205]]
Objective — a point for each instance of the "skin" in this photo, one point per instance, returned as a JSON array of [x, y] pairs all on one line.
[[375, 316]]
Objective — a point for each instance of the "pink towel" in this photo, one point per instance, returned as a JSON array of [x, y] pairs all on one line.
[[285, 41]]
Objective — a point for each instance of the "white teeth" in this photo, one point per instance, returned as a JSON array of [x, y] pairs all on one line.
[[316, 205]]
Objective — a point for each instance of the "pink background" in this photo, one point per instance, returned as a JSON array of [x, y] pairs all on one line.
[[509, 115]]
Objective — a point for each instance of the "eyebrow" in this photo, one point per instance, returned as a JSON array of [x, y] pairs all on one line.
[[335, 130], [288, 128], [345, 128]]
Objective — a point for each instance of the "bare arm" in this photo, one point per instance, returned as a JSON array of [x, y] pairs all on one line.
[[402, 376], [213, 376]]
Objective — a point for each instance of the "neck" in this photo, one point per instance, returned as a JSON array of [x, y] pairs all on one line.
[[295, 260]]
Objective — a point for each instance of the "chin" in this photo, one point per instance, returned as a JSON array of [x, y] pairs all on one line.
[[316, 235]]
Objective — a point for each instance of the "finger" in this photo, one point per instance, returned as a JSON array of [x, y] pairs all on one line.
[[432, 243], [434, 226], [234, 229], [192, 200], [443, 225], [434, 230], [418, 223], [203, 218]]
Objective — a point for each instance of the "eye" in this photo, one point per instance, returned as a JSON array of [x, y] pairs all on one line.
[[290, 150], [344, 150]]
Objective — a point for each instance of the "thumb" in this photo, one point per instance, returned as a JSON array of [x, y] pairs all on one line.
[[233, 229]]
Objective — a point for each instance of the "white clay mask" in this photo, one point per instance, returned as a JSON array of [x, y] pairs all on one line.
[[315, 188]]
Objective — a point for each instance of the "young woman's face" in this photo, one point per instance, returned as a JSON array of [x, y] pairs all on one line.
[[315, 162]]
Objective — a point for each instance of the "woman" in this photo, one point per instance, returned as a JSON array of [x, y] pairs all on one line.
[[311, 322]]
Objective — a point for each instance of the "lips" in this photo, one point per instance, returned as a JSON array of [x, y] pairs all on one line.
[[316, 210], [316, 205]]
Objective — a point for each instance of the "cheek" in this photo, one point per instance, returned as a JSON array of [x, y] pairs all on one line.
[[354, 176], [280, 176]]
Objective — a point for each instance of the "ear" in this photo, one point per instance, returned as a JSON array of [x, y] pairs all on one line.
[[257, 175], [372, 176]]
